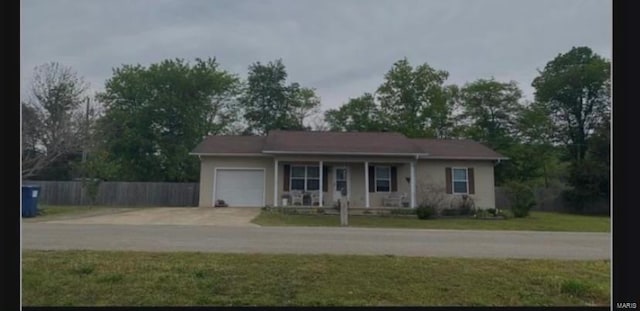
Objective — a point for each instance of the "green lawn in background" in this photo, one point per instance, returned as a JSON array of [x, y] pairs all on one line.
[[536, 221]]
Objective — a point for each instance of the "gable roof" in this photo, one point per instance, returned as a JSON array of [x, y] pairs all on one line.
[[339, 143], [230, 145], [345, 143], [455, 149]]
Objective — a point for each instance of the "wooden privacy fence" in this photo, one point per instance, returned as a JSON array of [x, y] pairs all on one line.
[[118, 193]]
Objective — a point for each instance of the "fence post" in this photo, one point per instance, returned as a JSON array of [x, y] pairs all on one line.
[[344, 213]]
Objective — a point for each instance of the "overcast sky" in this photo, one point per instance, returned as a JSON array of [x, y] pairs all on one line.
[[342, 48]]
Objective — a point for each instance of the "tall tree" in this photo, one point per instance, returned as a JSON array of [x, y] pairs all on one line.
[[52, 122], [575, 87], [359, 114], [534, 131], [154, 116], [489, 108], [269, 103], [414, 101]]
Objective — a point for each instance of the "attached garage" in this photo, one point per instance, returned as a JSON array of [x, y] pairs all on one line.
[[239, 187]]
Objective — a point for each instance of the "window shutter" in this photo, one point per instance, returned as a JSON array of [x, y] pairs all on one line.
[[285, 180], [448, 179], [325, 179], [372, 179], [394, 179], [472, 186]]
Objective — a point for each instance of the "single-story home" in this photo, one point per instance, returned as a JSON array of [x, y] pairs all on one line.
[[368, 169]]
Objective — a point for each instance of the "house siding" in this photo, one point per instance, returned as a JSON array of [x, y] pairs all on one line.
[[427, 172], [433, 172]]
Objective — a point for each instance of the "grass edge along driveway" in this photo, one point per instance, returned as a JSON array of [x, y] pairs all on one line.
[[536, 221], [100, 278]]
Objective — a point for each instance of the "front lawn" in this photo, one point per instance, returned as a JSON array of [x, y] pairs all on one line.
[[537, 221], [99, 278]]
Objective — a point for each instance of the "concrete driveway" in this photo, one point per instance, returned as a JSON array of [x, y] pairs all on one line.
[[203, 216]]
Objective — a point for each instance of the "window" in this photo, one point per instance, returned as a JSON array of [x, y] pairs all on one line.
[[305, 178], [460, 180], [383, 178]]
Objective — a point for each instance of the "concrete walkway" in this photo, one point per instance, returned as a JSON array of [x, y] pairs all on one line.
[[205, 216], [318, 240]]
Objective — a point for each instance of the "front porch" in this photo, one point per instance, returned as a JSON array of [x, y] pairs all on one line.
[[322, 182]]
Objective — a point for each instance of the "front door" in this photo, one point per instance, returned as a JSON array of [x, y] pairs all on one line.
[[340, 182]]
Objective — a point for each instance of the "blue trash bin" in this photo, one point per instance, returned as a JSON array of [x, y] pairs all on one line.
[[30, 200]]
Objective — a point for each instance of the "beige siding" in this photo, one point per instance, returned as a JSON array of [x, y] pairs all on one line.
[[433, 172], [427, 172], [209, 164]]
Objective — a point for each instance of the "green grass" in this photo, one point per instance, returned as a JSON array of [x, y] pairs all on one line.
[[98, 278], [537, 221]]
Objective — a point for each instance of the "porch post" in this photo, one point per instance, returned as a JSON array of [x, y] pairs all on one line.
[[275, 182], [413, 184], [366, 184], [321, 183]]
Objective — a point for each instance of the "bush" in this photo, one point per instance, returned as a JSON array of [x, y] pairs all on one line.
[[506, 214], [521, 198], [403, 211], [450, 212], [482, 213], [425, 211], [467, 205], [492, 211]]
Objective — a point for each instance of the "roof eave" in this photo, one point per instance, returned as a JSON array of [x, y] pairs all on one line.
[[402, 154], [235, 154], [463, 158]]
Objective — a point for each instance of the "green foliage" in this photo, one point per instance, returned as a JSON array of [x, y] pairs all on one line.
[[269, 103], [521, 198], [415, 102], [591, 180], [575, 89], [425, 212], [403, 211], [490, 107], [505, 213], [154, 116], [358, 115]]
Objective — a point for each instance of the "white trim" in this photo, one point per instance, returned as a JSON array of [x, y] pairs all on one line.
[[461, 158], [366, 184], [264, 181], [275, 183], [340, 161], [375, 178], [413, 185], [453, 180], [320, 191], [344, 153], [230, 154]]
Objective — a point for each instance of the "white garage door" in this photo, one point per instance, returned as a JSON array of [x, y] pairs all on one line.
[[240, 187]]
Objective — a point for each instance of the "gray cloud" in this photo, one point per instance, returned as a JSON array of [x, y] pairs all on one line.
[[340, 47]]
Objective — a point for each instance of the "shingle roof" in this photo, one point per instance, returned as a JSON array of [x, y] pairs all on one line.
[[230, 144], [378, 143], [339, 142], [456, 148]]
